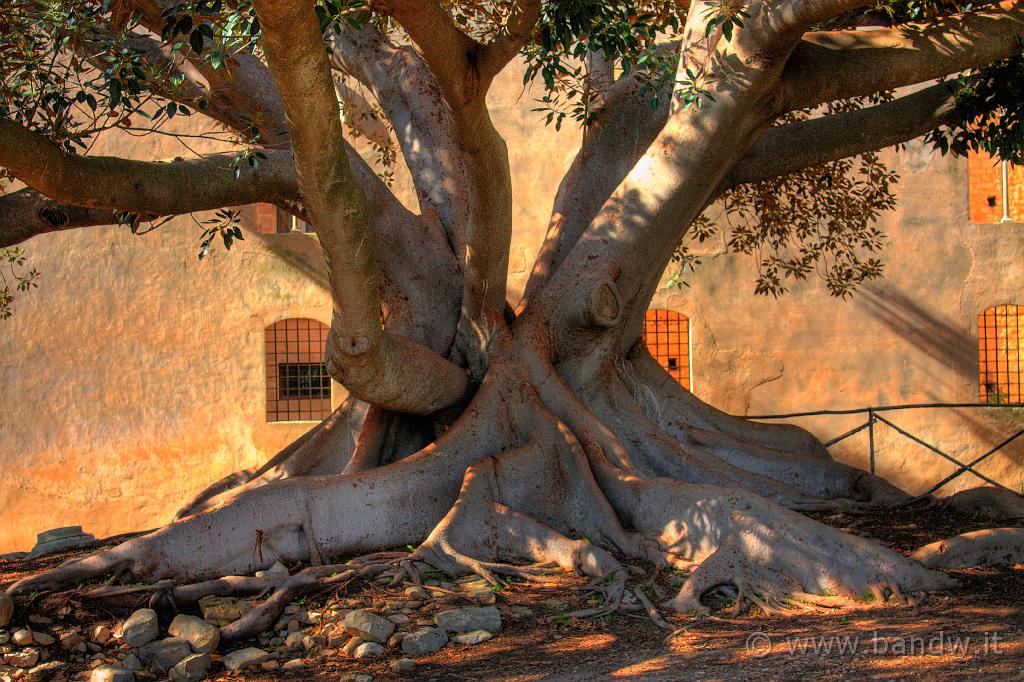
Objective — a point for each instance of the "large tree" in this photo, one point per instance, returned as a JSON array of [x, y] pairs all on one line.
[[499, 440]]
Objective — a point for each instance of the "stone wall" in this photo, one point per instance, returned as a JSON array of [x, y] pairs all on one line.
[[133, 377]]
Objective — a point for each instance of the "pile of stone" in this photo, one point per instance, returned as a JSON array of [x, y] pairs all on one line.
[[417, 621]]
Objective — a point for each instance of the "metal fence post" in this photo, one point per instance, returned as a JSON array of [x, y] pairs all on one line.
[[871, 440]]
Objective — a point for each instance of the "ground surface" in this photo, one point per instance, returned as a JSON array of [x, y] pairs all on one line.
[[974, 633]]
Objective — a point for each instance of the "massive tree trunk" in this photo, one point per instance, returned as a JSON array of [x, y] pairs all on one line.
[[489, 438]]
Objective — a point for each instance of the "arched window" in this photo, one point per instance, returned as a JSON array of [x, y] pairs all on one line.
[[667, 335], [1000, 333], [298, 386]]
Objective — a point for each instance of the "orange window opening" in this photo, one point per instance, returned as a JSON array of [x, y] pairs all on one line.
[[667, 335], [298, 386], [1000, 333]]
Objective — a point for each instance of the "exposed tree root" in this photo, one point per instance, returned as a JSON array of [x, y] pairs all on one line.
[[990, 547], [324, 449], [509, 483], [988, 502]]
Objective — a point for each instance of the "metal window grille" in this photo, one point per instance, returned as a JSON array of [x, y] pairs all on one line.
[[1000, 331], [667, 335], [298, 386]]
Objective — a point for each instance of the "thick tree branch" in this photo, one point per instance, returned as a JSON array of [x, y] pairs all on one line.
[[27, 213], [411, 99], [447, 50], [495, 55], [832, 65], [147, 187], [387, 370], [816, 141]]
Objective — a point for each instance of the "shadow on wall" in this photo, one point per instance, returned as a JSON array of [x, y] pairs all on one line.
[[933, 335]]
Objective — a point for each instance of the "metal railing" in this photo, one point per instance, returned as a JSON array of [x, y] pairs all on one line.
[[873, 418]]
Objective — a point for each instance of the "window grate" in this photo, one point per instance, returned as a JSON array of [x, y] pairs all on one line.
[[667, 335], [298, 386], [999, 359]]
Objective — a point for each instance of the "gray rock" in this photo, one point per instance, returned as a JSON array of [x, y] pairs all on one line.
[[201, 636], [368, 650], [469, 619], [131, 662], [368, 626], [293, 664], [244, 658], [474, 637], [110, 673], [294, 639], [142, 627], [350, 646], [164, 654], [400, 664], [424, 641], [26, 637], [223, 610], [59, 540], [25, 658], [194, 667], [399, 618]]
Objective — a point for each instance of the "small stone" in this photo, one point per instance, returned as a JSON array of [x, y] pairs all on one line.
[[368, 626], [203, 637], [483, 596], [142, 627], [6, 608], [223, 610], [474, 637], [110, 673], [45, 671], [270, 665], [244, 658], [368, 650], [294, 625], [293, 640], [131, 662], [399, 618], [350, 646], [72, 639], [424, 641], [164, 654], [294, 664], [194, 667], [25, 637], [25, 658], [99, 634], [309, 642], [469, 619], [278, 570], [395, 640], [400, 664]]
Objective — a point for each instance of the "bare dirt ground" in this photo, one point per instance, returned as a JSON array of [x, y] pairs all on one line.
[[975, 632]]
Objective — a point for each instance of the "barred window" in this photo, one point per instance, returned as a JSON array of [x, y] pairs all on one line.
[[667, 335], [1000, 332], [298, 386]]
